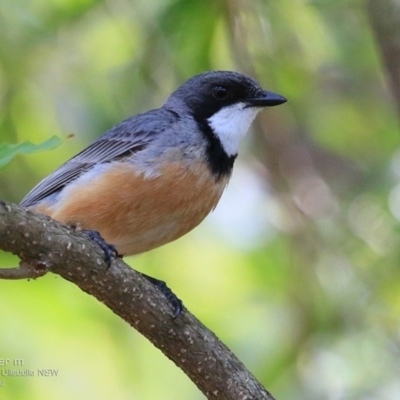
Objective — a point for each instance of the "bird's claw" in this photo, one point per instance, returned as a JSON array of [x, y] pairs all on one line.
[[175, 302], [110, 252]]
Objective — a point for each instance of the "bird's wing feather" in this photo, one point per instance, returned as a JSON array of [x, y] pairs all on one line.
[[129, 137]]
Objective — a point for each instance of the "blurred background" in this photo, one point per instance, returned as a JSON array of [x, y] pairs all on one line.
[[297, 270]]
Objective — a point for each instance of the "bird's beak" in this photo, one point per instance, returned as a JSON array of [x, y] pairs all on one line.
[[266, 99]]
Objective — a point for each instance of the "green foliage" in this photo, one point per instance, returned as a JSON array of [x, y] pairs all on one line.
[[9, 151]]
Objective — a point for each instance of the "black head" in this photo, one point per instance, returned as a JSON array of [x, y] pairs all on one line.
[[207, 93], [224, 104]]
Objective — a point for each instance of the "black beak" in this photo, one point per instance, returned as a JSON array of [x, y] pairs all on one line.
[[266, 99]]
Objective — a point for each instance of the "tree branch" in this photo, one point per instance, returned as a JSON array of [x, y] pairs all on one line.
[[45, 245]]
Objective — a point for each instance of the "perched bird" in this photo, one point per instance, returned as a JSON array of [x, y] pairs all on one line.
[[155, 176]]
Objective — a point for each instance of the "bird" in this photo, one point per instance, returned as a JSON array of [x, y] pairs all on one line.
[[156, 175]]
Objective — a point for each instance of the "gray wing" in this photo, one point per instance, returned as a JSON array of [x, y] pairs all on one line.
[[126, 138]]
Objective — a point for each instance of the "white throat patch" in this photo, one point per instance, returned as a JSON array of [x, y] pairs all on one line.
[[231, 123]]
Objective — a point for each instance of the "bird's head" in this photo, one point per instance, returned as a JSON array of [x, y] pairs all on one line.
[[227, 102]]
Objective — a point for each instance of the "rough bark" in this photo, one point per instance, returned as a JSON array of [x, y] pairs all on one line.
[[46, 246]]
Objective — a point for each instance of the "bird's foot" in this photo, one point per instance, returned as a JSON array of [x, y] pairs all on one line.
[[110, 252], [175, 302]]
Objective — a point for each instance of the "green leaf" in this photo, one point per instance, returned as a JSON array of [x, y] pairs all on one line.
[[9, 151]]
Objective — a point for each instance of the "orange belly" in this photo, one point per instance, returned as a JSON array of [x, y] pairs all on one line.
[[137, 214]]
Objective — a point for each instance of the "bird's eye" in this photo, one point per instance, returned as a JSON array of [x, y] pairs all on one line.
[[220, 92]]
